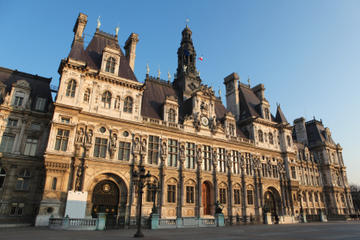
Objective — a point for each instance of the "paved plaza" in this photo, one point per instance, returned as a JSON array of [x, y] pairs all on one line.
[[308, 231]]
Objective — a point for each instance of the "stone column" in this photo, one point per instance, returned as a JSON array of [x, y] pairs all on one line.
[[243, 183], [180, 201], [163, 156], [214, 166], [198, 207], [230, 190]]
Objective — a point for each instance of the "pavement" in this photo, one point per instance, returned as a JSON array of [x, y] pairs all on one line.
[[309, 231]]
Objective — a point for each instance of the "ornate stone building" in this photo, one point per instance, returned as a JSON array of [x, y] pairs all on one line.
[[106, 123], [25, 114]]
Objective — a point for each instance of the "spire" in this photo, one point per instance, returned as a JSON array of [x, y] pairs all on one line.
[[280, 117]]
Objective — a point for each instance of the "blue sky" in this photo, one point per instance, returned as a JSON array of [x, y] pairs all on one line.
[[307, 53]]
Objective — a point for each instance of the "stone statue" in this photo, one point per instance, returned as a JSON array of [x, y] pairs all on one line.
[[79, 174], [98, 23], [163, 148], [143, 146], [117, 30], [147, 69], [182, 151], [89, 136], [80, 135], [112, 147], [136, 146]]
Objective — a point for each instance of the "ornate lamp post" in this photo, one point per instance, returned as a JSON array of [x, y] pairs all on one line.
[[154, 187], [139, 180]]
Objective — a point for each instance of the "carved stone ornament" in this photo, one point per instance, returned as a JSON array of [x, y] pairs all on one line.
[[136, 145], [199, 155], [196, 123], [182, 152], [112, 145], [143, 146], [228, 160], [163, 150]]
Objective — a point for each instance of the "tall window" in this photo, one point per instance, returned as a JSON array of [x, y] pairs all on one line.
[[150, 196], [171, 193], [106, 99], [87, 95], [271, 138], [19, 98], [153, 149], [2, 177], [40, 104], [190, 155], [17, 209], [12, 122], [124, 151], [288, 140], [54, 183], [30, 146], [222, 160], [128, 104], [250, 197], [267, 113], [222, 195], [172, 115], [173, 153], [293, 172], [236, 196], [190, 193], [236, 161], [23, 180], [62, 139], [7, 142], [110, 65], [71, 88], [261, 136], [100, 147], [207, 158]]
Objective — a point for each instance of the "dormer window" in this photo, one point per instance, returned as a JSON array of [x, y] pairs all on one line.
[[40, 104], [172, 115], [71, 88], [267, 113], [19, 98], [106, 99], [110, 65], [261, 136], [128, 104]]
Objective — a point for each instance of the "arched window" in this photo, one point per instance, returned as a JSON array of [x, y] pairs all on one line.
[[106, 99], [54, 182], [288, 140], [2, 177], [128, 104], [87, 95], [267, 113], [172, 115], [110, 65], [261, 136], [71, 87], [23, 180], [271, 138]]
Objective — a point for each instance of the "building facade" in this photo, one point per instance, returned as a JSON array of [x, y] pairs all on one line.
[[25, 113], [106, 123]]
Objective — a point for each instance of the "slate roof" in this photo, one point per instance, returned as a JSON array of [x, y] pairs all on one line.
[[40, 86], [92, 55], [280, 117], [316, 133]]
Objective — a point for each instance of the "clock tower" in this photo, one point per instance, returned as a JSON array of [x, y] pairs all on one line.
[[187, 78]]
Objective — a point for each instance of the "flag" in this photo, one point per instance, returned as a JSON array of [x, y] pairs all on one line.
[[201, 58]]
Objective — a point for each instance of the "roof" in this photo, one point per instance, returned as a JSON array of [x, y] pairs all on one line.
[[316, 132], [92, 55], [248, 102], [154, 97], [40, 86], [280, 117]]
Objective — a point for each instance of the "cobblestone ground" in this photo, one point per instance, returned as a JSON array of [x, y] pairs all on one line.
[[308, 231]]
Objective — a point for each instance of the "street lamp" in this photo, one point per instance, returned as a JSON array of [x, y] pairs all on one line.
[[139, 179], [154, 187]]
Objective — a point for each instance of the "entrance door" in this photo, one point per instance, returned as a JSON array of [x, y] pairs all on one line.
[[106, 200], [270, 206], [206, 198]]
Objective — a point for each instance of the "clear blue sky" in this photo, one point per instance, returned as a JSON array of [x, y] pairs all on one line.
[[306, 52]]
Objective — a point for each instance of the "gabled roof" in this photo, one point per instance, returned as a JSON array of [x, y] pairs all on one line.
[[248, 102], [280, 117], [92, 56], [40, 86]]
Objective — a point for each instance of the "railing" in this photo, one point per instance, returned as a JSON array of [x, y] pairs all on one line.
[[73, 223], [188, 222]]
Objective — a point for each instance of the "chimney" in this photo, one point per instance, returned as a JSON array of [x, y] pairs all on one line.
[[79, 28], [259, 91], [130, 48], [232, 94], [300, 130]]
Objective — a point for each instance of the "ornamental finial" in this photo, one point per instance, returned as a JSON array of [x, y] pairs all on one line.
[[147, 69], [159, 72], [117, 30]]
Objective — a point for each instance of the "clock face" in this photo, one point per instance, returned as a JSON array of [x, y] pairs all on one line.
[[204, 121]]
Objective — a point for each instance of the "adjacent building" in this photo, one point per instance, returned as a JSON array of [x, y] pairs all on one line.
[[25, 113]]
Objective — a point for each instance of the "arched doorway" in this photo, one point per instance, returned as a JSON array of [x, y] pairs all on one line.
[[272, 204], [105, 198], [207, 197]]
